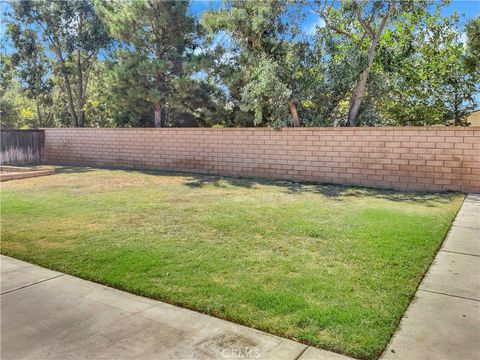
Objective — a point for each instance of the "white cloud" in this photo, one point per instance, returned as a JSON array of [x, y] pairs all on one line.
[[463, 38], [199, 51], [311, 28]]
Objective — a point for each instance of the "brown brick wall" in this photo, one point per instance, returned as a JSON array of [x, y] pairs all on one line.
[[429, 158]]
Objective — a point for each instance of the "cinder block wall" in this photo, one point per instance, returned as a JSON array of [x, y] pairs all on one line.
[[423, 158]]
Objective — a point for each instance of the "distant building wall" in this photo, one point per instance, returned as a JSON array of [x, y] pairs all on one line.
[[474, 118], [416, 158]]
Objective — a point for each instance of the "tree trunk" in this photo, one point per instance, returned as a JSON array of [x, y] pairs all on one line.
[[81, 95], [71, 107], [294, 113], [359, 90], [39, 113], [158, 115], [456, 112]]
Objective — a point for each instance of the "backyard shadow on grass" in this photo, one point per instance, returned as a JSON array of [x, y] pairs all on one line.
[[199, 181], [73, 169], [333, 191]]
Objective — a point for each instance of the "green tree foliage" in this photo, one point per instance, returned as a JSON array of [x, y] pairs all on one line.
[[10, 96], [32, 65], [362, 23], [154, 37], [428, 73], [417, 77], [473, 45], [72, 32], [246, 63], [265, 64]]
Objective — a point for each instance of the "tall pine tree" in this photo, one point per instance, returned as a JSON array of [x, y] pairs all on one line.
[[153, 41]]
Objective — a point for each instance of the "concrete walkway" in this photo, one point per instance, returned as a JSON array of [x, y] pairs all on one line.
[[46, 314], [443, 321]]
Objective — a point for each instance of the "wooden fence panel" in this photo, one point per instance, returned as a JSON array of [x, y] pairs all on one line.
[[21, 147]]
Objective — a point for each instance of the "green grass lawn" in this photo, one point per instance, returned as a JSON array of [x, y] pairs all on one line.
[[331, 266]]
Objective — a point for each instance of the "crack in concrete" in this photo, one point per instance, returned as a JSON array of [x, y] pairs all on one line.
[[459, 253], [446, 294], [301, 353], [32, 284], [467, 227]]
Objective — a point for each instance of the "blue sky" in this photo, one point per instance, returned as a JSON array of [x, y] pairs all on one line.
[[469, 8]]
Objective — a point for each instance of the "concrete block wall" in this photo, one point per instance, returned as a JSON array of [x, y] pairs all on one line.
[[415, 158]]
